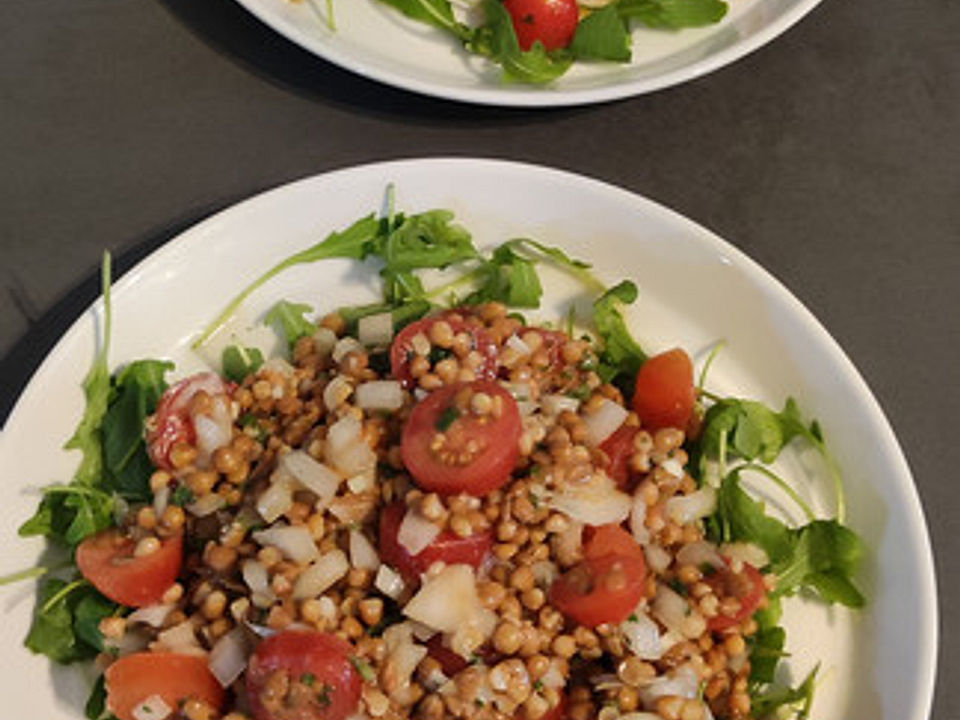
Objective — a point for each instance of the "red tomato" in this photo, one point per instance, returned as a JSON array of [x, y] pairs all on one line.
[[664, 395], [318, 660], [552, 22], [134, 678], [619, 449], [747, 586], [107, 561], [490, 442], [450, 662], [172, 423], [447, 547], [600, 590], [401, 351], [609, 540]]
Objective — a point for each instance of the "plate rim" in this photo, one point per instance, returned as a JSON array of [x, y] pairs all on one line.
[[906, 485]]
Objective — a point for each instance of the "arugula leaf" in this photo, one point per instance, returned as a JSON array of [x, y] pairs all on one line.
[[438, 13], [136, 391], [497, 40], [673, 14], [291, 319], [765, 703], [402, 314], [353, 242], [602, 35], [621, 354], [96, 704], [509, 278], [743, 518], [825, 558], [427, 240], [754, 429], [65, 623], [238, 361]]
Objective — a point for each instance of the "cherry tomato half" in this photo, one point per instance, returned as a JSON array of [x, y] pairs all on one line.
[[447, 547], [607, 585], [107, 560], [323, 683], [552, 22], [134, 678], [747, 586], [476, 453], [619, 449], [172, 422], [664, 395], [402, 351]]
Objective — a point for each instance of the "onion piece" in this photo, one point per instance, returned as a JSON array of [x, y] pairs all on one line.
[[683, 509], [375, 330], [657, 558], [362, 552], [337, 392], [416, 532], [213, 430], [515, 343], [389, 582], [324, 339], [312, 475], [683, 682], [161, 498], [364, 482], [345, 345], [700, 553], [181, 638], [228, 658], [346, 448], [604, 421], [746, 552], [152, 615], [638, 519], [670, 608], [276, 499], [321, 575], [594, 502], [380, 395], [258, 580], [446, 600], [153, 708], [642, 636], [206, 505], [403, 656], [556, 404], [294, 542]]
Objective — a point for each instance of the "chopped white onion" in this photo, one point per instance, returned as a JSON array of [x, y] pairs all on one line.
[[544, 573], [469, 636], [276, 499], [658, 559], [294, 542], [515, 343], [380, 395], [683, 682], [672, 467], [364, 482], [638, 519], [527, 407], [446, 600], [346, 449], [337, 392], [594, 502], [416, 532], [153, 708], [683, 509], [180, 638], [323, 340], [213, 430], [389, 582], [670, 608], [521, 391], [206, 505], [228, 658], [362, 552], [375, 330], [345, 345], [553, 677], [403, 656], [699, 554], [321, 575], [312, 475], [746, 552], [642, 636], [604, 421], [257, 578], [556, 404], [152, 615], [161, 498]]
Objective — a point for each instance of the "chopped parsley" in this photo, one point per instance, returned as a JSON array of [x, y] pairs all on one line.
[[447, 418]]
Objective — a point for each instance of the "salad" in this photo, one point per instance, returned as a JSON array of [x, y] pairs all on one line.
[[537, 41], [430, 507]]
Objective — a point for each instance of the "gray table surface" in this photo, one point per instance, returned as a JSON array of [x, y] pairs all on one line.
[[831, 156]]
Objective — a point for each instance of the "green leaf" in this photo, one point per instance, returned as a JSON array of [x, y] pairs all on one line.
[[826, 556], [402, 314], [508, 278], [96, 704], [90, 609], [602, 35], [743, 518], [754, 429], [766, 650], [673, 14], [291, 319], [356, 241], [620, 354], [238, 362], [438, 13], [427, 240], [763, 704], [52, 633], [497, 40]]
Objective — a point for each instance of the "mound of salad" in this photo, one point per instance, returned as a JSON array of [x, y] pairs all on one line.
[[430, 508], [537, 41]]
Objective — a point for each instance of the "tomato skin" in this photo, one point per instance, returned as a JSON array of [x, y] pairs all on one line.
[[107, 561], [498, 439], [134, 678], [552, 22], [664, 395], [171, 423], [324, 656], [402, 346], [619, 449], [607, 585], [447, 547], [750, 596]]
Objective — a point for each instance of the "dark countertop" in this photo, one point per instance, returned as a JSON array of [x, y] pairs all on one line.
[[831, 156]]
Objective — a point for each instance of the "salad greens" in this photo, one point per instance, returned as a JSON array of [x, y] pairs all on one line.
[[737, 436], [601, 35]]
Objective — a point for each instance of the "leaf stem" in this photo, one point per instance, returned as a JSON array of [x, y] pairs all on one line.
[[64, 591], [783, 485], [23, 575]]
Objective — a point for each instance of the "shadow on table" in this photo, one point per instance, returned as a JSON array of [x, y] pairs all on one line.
[[231, 30], [23, 359]]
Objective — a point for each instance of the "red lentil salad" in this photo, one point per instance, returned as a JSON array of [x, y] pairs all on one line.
[[432, 509]]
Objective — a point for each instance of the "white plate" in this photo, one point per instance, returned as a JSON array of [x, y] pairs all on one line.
[[695, 289], [376, 41]]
